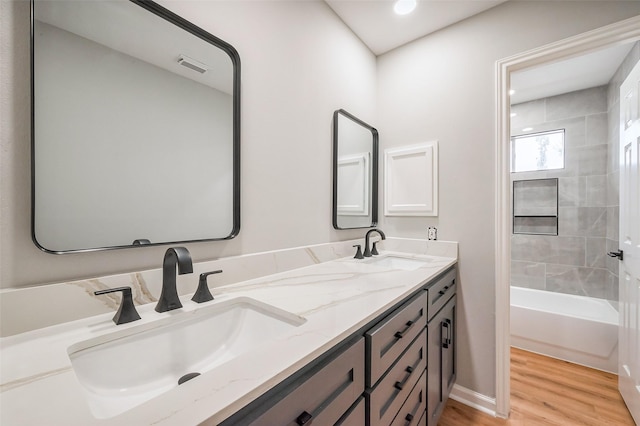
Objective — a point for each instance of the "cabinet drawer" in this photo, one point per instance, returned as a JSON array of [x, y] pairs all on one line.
[[441, 291], [423, 419], [387, 397], [325, 396], [356, 415], [413, 410], [389, 338]]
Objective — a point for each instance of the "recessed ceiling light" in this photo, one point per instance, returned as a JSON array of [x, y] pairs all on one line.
[[403, 7], [513, 114], [511, 92], [527, 129]]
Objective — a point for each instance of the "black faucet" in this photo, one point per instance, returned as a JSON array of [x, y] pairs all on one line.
[[367, 249], [169, 296]]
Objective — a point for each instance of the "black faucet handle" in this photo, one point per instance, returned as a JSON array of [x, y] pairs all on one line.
[[203, 294], [358, 252], [127, 310], [374, 249]]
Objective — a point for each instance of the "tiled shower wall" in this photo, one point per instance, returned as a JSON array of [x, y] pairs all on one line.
[[575, 261]]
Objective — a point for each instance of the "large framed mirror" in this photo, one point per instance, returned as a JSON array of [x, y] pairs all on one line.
[[135, 127], [355, 172]]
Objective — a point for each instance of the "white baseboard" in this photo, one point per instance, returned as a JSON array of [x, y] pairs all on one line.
[[474, 400]]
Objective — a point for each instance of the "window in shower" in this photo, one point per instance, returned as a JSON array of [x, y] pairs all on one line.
[[535, 206], [538, 151]]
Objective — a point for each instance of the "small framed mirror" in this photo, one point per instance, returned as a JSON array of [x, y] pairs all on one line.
[[355, 172], [135, 127]]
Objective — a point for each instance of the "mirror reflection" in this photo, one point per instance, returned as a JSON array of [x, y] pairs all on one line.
[[135, 131], [355, 172]]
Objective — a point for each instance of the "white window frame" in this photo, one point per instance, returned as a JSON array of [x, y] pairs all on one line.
[[529, 135]]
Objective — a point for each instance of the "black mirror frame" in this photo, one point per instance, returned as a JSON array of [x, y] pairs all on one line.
[[374, 165], [180, 22]]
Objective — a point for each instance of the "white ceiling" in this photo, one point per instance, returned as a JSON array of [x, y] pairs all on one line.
[[375, 23], [581, 72]]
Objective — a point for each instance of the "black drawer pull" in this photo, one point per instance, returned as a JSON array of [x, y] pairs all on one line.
[[400, 334], [399, 385], [446, 323], [444, 290], [304, 419], [409, 417], [445, 340]]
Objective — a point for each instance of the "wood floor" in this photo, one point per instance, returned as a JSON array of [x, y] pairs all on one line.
[[546, 391]]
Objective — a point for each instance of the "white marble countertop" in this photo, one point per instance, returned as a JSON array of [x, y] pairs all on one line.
[[336, 298]]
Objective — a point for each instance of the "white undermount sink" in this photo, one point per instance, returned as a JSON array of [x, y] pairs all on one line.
[[397, 262], [126, 368]]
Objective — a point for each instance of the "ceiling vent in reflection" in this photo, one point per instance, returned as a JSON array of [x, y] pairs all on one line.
[[192, 64]]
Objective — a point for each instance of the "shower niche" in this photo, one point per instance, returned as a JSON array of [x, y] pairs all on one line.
[[535, 206]]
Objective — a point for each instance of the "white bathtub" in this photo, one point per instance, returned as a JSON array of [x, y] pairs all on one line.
[[579, 329]]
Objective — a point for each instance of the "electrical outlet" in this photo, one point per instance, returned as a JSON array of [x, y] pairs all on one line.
[[432, 233]]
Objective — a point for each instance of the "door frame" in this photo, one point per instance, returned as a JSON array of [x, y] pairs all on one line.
[[622, 32]]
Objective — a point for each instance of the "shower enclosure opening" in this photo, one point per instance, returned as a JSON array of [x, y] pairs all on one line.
[[564, 179]]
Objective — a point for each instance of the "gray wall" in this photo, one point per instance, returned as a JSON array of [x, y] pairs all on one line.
[[574, 261], [443, 87], [299, 64]]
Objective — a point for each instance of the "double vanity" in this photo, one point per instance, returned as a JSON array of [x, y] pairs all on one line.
[[346, 341], [293, 336]]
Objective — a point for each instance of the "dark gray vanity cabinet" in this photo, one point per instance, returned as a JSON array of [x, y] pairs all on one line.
[[330, 393], [388, 339], [433, 378], [356, 416], [396, 360], [413, 412], [397, 370], [441, 346]]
